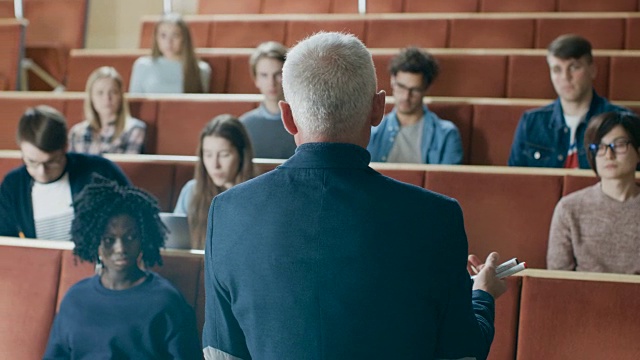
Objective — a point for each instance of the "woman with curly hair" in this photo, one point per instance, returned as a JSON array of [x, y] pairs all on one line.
[[225, 159], [124, 311]]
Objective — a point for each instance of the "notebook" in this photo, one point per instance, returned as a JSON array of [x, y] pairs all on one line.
[[178, 236]]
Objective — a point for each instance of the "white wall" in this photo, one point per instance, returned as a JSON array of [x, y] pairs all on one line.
[[116, 23]]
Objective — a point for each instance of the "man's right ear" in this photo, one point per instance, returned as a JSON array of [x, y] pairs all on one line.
[[287, 118], [377, 108]]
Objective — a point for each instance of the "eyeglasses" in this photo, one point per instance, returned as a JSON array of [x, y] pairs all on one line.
[[402, 89], [618, 147], [55, 163]]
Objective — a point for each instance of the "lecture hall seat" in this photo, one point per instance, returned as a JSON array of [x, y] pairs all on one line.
[[505, 212]]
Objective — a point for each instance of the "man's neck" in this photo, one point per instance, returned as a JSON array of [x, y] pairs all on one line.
[[272, 106], [577, 108], [406, 119]]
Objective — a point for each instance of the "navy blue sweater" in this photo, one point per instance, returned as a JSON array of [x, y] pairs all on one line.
[[148, 321], [16, 207]]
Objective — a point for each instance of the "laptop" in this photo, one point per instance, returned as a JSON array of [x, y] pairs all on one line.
[[178, 226]]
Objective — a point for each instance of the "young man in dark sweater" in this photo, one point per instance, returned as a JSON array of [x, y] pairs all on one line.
[[36, 198]]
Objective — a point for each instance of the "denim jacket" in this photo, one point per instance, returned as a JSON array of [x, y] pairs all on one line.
[[441, 143], [542, 136]]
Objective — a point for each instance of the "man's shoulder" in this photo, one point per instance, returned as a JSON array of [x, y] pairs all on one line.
[[87, 164], [81, 159], [16, 175], [543, 112], [251, 116]]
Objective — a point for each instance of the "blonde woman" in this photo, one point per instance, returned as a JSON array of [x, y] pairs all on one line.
[[225, 159], [107, 127], [172, 66]]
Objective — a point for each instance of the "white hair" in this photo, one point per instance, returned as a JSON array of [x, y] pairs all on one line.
[[329, 81]]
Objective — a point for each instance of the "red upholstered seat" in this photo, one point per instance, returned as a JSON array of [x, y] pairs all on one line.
[[492, 33], [492, 133], [624, 78], [426, 33], [300, 29], [506, 323], [179, 126], [578, 319], [471, 75], [29, 282], [574, 183], [603, 33], [245, 34], [508, 213]]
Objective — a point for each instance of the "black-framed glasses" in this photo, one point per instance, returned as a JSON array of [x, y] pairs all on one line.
[[403, 89], [618, 147]]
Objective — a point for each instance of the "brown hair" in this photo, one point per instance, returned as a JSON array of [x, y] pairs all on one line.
[[230, 128], [600, 125], [90, 113], [44, 127], [416, 61], [192, 82], [570, 46], [271, 50]]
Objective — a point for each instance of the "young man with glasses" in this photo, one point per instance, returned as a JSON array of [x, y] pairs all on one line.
[[551, 136], [36, 199], [597, 228], [411, 133]]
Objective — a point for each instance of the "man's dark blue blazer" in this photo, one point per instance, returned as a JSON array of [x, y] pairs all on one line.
[[325, 258]]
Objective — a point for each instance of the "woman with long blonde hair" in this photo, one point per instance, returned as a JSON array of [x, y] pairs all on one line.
[[108, 127], [173, 66], [225, 159]]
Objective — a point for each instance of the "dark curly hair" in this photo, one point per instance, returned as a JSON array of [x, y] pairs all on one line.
[[416, 61], [103, 199]]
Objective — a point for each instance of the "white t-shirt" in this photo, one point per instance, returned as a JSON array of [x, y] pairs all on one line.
[[572, 123], [53, 209]]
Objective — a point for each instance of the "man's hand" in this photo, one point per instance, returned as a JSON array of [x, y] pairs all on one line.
[[485, 275]]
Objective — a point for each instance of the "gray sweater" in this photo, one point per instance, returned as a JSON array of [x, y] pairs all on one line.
[[593, 232]]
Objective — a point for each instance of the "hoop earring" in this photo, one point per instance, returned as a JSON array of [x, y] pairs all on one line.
[[98, 267]]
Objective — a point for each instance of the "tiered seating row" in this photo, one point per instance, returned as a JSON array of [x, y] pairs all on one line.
[[457, 30], [174, 122], [533, 320], [398, 6], [12, 50], [506, 209], [464, 72], [55, 27]]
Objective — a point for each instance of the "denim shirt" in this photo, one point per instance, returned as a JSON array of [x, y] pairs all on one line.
[[542, 136], [441, 142]]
